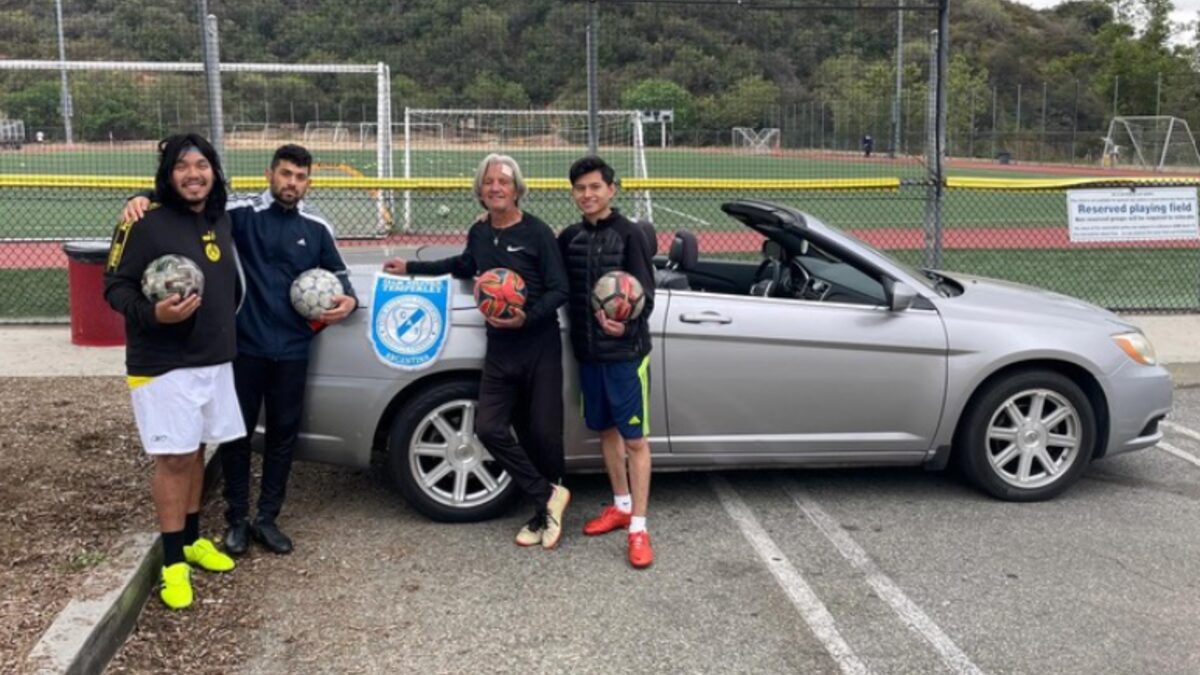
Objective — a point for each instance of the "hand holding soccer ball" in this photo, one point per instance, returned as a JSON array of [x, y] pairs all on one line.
[[619, 296], [314, 292], [500, 294]]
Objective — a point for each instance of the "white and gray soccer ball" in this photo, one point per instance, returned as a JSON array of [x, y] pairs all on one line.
[[312, 292], [443, 210], [172, 274]]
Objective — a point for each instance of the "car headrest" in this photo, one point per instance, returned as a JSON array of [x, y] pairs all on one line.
[[651, 235], [685, 251]]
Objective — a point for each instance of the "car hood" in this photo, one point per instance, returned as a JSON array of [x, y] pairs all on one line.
[[1035, 305]]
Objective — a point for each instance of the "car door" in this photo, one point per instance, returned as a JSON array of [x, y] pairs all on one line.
[[750, 375]]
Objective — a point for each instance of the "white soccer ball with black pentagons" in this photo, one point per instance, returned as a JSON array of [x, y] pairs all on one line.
[[620, 295], [172, 274], [313, 291]]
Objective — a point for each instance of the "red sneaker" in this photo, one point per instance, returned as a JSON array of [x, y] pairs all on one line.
[[611, 518], [640, 553]]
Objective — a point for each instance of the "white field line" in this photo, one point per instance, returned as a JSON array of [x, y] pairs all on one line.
[[1171, 449], [689, 216], [818, 618], [888, 591]]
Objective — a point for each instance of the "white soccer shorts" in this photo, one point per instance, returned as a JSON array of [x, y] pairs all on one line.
[[182, 408]]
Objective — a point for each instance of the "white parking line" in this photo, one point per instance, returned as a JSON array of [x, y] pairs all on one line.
[[818, 618], [1171, 449], [908, 611]]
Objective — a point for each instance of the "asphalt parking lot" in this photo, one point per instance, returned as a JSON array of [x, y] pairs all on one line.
[[887, 571]]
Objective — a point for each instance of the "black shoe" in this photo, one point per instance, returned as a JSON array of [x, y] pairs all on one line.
[[271, 538], [237, 538]]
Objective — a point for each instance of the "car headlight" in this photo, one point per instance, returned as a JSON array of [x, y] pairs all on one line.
[[1137, 346]]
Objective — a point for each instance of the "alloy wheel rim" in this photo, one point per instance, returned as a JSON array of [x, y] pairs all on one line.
[[449, 463], [1033, 438]]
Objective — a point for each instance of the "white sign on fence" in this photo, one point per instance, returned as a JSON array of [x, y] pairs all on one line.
[[1122, 214]]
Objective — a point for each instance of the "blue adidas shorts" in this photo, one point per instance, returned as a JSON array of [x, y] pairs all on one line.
[[617, 395]]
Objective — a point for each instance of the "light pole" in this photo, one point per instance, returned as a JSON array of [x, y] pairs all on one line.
[[65, 103]]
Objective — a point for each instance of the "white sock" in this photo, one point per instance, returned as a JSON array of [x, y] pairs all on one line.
[[624, 503], [637, 524]]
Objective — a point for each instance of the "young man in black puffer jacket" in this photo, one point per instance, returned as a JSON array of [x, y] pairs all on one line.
[[614, 364]]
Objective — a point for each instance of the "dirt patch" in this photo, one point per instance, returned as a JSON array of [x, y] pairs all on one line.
[[73, 479]]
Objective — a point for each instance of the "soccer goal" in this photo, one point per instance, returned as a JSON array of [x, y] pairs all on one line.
[[422, 133], [450, 143], [755, 141], [326, 132], [1154, 142]]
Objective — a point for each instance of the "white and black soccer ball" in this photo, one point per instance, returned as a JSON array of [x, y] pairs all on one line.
[[172, 274], [312, 292], [443, 210]]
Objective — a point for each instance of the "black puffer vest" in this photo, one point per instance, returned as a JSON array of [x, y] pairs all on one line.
[[590, 254]]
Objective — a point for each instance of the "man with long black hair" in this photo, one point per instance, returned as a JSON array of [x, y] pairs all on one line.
[[278, 236], [180, 350]]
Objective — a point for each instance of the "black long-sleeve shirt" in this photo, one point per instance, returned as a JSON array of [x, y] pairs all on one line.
[[206, 338], [528, 248]]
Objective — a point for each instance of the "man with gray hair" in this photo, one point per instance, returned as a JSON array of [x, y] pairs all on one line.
[[522, 383]]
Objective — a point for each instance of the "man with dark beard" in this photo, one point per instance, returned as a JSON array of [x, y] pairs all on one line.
[[179, 350], [277, 237]]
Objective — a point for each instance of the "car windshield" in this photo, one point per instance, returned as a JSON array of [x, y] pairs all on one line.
[[929, 278]]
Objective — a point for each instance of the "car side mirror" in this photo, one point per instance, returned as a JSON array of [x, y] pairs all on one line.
[[900, 295]]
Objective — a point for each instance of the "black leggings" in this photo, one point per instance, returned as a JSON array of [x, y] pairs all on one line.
[[522, 390]]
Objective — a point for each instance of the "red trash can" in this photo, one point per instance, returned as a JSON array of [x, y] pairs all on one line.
[[93, 322]]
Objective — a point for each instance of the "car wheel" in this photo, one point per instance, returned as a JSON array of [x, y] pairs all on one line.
[[1028, 437], [439, 465]]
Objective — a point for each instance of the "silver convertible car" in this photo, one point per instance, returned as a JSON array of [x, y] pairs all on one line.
[[823, 353]]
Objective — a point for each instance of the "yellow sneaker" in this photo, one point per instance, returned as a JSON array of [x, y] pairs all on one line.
[[554, 514], [531, 532], [204, 554], [176, 590]]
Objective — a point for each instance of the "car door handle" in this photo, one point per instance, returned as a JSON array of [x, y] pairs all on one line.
[[705, 317]]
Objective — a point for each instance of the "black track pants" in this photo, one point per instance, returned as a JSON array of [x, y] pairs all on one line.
[[522, 389]]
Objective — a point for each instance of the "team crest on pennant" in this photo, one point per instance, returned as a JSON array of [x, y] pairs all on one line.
[[410, 320]]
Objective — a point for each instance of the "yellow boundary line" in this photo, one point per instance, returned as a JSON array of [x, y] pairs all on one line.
[[241, 183], [1019, 184], [255, 183]]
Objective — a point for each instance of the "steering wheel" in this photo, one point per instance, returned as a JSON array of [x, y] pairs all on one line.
[[767, 278], [799, 279]]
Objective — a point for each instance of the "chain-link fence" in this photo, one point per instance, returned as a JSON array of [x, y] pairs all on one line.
[[1015, 233], [829, 109]]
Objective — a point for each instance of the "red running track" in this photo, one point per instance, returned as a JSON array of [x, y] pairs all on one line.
[[49, 254]]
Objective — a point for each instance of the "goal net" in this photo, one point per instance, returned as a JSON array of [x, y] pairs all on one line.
[[450, 143], [326, 132], [1154, 142], [755, 141]]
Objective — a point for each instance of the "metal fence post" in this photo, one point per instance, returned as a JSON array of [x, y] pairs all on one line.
[[212, 74]]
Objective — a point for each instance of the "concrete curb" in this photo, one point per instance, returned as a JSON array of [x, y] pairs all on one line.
[[88, 633], [1184, 375]]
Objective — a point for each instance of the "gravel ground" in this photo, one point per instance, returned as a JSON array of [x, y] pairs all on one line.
[[73, 479], [219, 632]]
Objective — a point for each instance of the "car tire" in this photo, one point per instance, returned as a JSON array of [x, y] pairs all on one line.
[[1016, 453], [438, 464]]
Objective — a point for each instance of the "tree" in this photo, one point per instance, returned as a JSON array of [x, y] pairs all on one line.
[[658, 94]]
